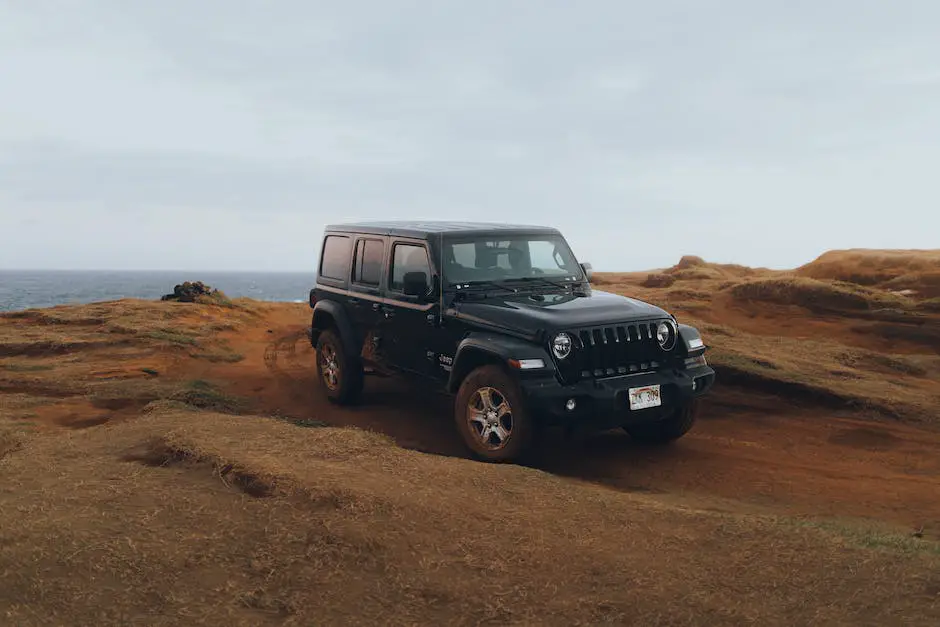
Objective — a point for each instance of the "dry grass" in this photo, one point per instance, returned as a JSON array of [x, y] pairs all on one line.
[[931, 305], [220, 355], [172, 336], [898, 386], [824, 340], [179, 512], [659, 280], [816, 296], [917, 270], [201, 518], [206, 395], [112, 354], [12, 439], [692, 268]]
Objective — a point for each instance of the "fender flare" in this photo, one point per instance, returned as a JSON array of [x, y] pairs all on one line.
[[340, 318], [482, 346]]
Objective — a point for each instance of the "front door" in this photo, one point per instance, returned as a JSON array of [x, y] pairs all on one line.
[[410, 331]]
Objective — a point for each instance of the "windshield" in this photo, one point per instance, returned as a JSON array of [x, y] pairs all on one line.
[[507, 258]]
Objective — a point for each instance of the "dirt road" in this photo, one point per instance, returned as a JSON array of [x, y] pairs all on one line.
[[748, 452]]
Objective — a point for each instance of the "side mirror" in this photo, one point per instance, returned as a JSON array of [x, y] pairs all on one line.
[[416, 284], [588, 271]]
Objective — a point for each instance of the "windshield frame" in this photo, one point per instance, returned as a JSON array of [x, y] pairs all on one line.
[[574, 278]]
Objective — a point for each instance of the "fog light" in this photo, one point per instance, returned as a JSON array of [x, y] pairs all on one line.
[[571, 404]]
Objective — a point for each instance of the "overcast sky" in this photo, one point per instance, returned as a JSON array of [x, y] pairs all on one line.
[[217, 134]]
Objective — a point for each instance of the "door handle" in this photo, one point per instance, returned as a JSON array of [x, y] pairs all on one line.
[[353, 301], [388, 312], [375, 306]]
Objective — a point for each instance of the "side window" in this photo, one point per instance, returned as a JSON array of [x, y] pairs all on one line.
[[334, 260], [368, 267], [407, 258]]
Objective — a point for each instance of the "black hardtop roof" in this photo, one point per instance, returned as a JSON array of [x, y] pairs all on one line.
[[425, 228]]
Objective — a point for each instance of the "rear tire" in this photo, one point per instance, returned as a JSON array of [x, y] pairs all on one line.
[[668, 430], [492, 417], [340, 377]]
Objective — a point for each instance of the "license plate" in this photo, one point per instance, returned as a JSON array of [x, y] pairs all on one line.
[[644, 397]]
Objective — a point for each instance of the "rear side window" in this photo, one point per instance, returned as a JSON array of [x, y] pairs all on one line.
[[407, 258], [334, 263], [369, 257]]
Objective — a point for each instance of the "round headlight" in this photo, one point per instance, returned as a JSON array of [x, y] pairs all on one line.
[[666, 335], [561, 345]]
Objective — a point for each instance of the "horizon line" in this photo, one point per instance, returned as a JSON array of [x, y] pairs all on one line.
[[161, 270]]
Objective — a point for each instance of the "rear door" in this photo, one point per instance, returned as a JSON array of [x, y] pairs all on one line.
[[366, 287], [411, 334]]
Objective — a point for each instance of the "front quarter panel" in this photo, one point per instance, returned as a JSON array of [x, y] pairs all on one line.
[[480, 347]]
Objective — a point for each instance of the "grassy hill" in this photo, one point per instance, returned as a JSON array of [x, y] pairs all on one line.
[[168, 463]]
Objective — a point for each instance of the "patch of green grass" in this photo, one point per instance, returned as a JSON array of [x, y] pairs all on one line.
[[879, 362], [708, 328], [217, 327], [125, 393], [139, 392], [205, 395], [747, 363], [24, 402], [817, 296], [873, 538], [18, 367], [309, 423], [171, 336], [228, 357], [930, 305], [219, 299]]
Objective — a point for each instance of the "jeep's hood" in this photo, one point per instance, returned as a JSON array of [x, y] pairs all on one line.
[[529, 313]]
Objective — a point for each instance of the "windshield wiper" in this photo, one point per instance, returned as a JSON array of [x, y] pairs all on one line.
[[527, 279], [463, 286]]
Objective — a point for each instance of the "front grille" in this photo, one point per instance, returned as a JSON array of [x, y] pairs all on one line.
[[619, 349]]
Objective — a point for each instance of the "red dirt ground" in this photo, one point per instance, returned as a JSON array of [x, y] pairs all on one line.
[[755, 450]]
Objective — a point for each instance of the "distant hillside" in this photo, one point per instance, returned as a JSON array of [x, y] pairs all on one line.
[[914, 271]]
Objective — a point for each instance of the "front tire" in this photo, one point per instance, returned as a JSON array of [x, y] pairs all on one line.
[[667, 430], [340, 377], [492, 417]]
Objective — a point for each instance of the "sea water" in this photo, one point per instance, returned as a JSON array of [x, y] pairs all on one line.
[[20, 289]]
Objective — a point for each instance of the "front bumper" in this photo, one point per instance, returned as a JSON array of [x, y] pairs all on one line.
[[604, 403]]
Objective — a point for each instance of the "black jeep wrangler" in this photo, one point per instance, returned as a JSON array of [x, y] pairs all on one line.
[[505, 318]]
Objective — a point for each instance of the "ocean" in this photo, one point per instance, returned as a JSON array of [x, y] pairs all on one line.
[[47, 288]]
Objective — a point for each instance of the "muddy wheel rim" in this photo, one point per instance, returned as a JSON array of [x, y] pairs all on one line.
[[489, 416], [329, 369]]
